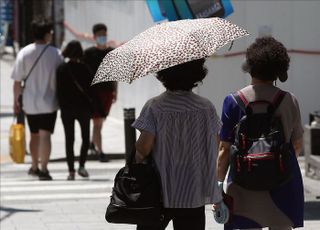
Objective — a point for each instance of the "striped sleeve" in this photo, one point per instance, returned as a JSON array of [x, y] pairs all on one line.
[[216, 120], [145, 121]]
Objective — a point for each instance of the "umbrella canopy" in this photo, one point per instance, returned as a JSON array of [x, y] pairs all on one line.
[[165, 45]]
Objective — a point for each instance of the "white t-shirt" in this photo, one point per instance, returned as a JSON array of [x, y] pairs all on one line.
[[39, 95]]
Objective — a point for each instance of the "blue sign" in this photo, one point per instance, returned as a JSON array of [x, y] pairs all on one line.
[[6, 11], [188, 9], [156, 10]]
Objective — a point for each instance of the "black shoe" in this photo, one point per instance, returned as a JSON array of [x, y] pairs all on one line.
[[103, 157], [44, 175], [33, 172]]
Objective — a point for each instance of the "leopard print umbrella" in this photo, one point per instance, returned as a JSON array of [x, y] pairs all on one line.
[[165, 45]]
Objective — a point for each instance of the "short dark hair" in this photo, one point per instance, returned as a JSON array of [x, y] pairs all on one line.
[[40, 27], [184, 76], [99, 26], [73, 50], [267, 59]]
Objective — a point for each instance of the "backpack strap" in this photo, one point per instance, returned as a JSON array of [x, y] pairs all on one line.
[[277, 99], [241, 100]]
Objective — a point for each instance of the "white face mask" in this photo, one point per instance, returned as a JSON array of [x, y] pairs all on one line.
[[101, 40]]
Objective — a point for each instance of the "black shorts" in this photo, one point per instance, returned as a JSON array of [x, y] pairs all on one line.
[[43, 121]]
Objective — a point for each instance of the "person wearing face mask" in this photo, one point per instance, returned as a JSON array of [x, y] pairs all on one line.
[[104, 94]]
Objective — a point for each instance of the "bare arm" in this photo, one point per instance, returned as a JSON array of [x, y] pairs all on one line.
[[17, 90], [223, 160], [144, 145], [222, 165], [297, 145], [218, 142]]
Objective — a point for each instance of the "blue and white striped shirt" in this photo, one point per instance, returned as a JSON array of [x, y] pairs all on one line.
[[185, 126]]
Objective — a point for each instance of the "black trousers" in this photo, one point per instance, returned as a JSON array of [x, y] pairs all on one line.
[[182, 219], [68, 119]]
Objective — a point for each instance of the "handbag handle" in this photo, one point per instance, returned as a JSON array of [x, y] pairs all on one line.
[[79, 86], [131, 158]]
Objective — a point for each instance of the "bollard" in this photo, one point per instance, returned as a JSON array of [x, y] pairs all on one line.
[[129, 131]]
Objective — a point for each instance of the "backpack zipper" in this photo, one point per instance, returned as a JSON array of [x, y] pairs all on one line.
[[256, 157], [259, 156]]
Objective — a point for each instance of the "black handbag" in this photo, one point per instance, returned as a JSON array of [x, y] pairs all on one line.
[[136, 195]]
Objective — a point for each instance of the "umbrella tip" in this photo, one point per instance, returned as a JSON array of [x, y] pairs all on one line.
[[231, 45]]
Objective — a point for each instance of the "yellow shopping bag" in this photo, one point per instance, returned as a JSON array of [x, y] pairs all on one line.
[[17, 143]]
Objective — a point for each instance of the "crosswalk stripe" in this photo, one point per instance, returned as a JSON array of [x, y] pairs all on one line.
[[17, 186], [52, 167], [29, 182], [57, 178], [56, 187], [54, 196]]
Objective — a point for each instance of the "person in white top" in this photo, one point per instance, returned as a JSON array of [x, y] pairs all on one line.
[[39, 93]]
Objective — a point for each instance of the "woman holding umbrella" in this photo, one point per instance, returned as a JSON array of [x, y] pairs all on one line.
[[280, 207], [181, 128]]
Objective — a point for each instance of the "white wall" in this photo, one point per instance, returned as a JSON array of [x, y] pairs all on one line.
[[294, 23]]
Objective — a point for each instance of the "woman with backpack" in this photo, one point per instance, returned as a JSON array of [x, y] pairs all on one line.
[[261, 138], [73, 82]]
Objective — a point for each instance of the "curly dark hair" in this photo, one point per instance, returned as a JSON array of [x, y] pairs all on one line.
[[41, 26], [73, 50], [99, 26], [184, 76], [267, 59]]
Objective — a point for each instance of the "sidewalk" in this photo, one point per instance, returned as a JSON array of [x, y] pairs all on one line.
[[81, 204]]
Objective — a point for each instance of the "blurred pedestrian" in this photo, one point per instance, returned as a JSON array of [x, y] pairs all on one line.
[[38, 62], [181, 129], [73, 82], [281, 207], [82, 36], [105, 93]]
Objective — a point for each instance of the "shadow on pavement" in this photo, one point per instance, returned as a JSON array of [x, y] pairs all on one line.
[[111, 156], [100, 180], [312, 210], [10, 211], [6, 115]]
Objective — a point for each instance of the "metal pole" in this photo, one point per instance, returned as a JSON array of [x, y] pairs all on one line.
[[129, 131]]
